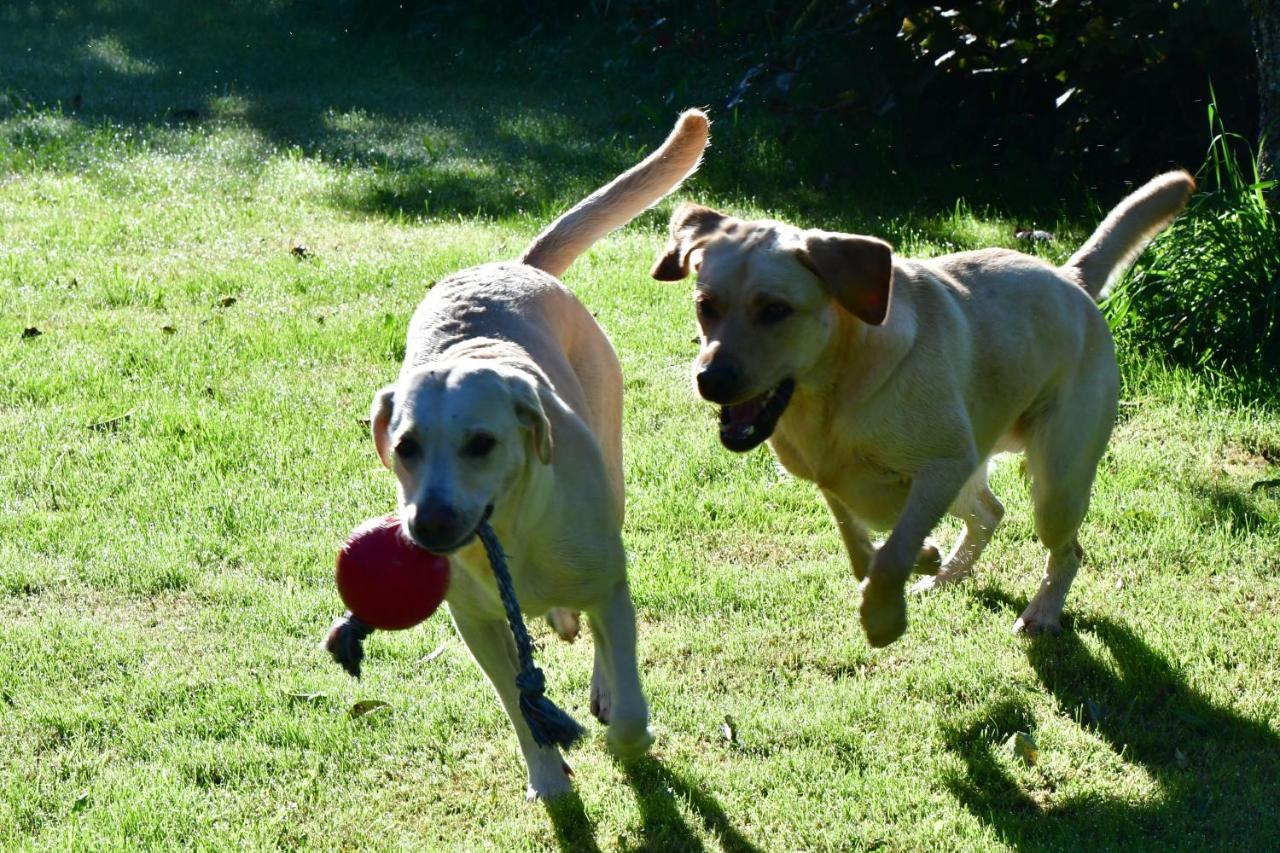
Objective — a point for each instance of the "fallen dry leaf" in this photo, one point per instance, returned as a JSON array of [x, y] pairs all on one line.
[[729, 729], [368, 706], [306, 697], [1025, 747]]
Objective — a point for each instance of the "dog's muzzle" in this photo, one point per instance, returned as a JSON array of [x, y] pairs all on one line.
[[745, 426], [440, 529]]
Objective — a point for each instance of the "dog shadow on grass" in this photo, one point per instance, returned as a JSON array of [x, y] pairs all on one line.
[[660, 793], [575, 830], [1215, 772]]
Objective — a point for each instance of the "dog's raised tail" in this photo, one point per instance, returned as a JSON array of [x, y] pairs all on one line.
[[622, 199], [1121, 237]]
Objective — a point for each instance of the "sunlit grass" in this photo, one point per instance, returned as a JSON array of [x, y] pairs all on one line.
[[180, 469]]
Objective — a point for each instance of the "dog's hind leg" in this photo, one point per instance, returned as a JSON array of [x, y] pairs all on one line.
[[617, 697], [981, 511], [493, 648], [1062, 458]]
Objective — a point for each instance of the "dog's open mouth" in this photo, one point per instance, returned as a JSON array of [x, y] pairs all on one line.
[[745, 426]]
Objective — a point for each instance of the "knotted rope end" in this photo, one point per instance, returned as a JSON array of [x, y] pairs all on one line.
[[548, 723], [345, 642]]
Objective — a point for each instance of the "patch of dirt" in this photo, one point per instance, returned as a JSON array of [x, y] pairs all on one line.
[[1251, 459]]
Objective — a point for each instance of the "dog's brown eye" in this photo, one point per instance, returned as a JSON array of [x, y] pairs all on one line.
[[407, 448], [479, 445], [775, 312], [706, 309]]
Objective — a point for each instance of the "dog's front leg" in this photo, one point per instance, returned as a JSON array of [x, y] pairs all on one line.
[[493, 648], [625, 710], [933, 490], [857, 543]]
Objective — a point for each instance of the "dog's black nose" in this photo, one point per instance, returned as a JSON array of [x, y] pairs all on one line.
[[435, 526], [718, 382]]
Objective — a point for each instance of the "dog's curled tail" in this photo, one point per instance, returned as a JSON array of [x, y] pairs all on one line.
[[1128, 228], [619, 201]]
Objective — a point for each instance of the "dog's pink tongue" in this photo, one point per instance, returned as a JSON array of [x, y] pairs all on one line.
[[743, 414]]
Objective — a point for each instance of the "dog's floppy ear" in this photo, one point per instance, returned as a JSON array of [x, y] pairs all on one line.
[[532, 415], [380, 422], [692, 225], [858, 271]]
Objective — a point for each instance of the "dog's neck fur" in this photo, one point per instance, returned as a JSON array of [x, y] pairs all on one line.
[[855, 366], [856, 363]]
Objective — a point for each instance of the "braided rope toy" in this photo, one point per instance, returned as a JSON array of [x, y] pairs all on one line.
[[549, 725]]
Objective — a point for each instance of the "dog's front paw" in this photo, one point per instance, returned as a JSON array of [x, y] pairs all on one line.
[[627, 740], [1032, 625], [883, 611], [549, 782], [1042, 616]]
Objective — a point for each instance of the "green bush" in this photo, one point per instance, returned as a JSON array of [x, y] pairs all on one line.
[[1207, 292]]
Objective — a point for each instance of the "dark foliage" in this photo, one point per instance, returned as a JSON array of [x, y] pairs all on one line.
[[1103, 90], [1108, 88]]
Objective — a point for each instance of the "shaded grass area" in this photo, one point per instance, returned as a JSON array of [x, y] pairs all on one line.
[[184, 453], [465, 117]]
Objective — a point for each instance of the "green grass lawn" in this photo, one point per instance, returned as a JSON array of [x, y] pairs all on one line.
[[184, 452]]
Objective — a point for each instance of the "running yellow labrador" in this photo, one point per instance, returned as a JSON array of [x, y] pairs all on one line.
[[510, 402], [891, 382]]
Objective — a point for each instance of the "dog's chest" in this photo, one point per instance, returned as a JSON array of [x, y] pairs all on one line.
[[473, 588], [870, 487]]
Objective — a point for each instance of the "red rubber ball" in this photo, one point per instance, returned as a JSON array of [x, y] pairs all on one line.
[[388, 581]]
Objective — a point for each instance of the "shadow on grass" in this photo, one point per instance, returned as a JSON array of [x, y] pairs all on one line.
[[453, 120], [575, 830], [460, 116], [1216, 772], [1223, 504], [660, 793]]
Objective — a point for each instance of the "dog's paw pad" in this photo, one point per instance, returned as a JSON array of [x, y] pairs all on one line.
[[929, 561]]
